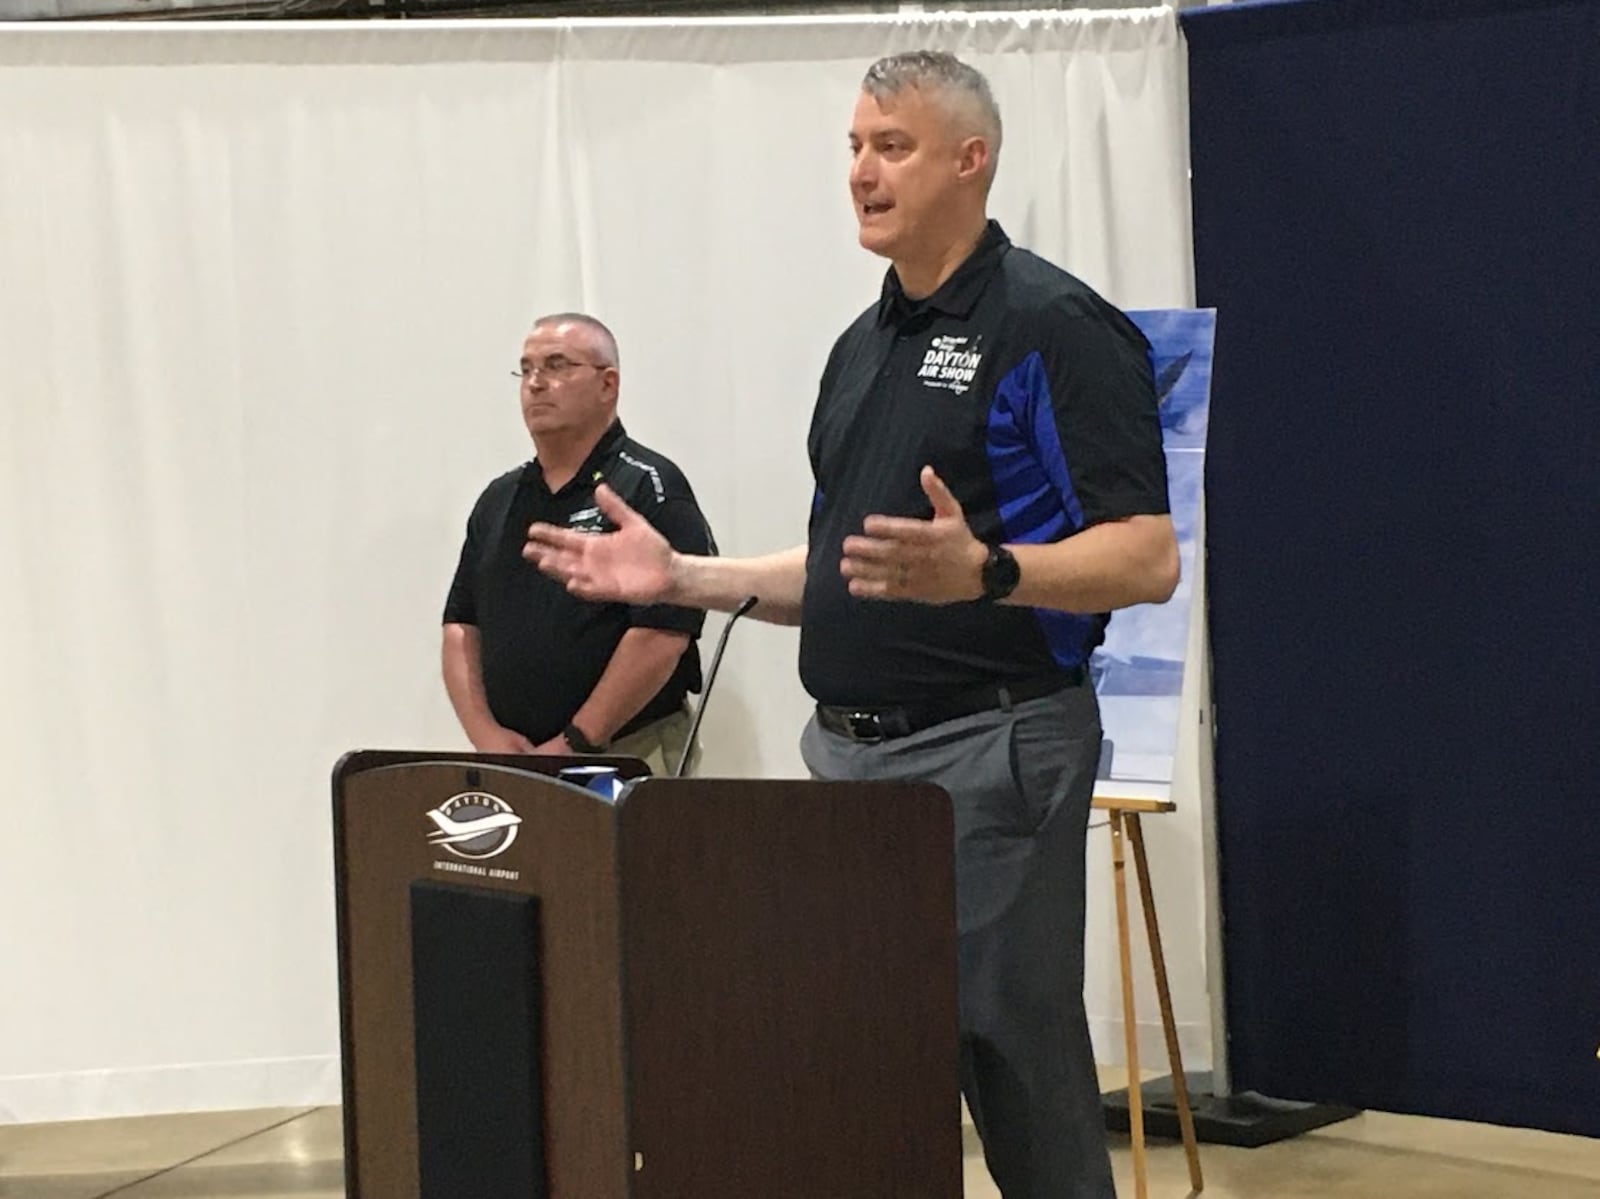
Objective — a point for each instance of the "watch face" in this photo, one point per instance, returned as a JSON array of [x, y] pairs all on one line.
[[1000, 573]]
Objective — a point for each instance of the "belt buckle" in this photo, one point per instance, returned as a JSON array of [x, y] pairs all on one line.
[[864, 727]]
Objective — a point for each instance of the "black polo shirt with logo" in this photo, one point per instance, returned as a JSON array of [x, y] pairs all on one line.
[[543, 648], [1033, 399]]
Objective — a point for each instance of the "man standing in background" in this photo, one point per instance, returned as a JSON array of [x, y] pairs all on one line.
[[530, 668]]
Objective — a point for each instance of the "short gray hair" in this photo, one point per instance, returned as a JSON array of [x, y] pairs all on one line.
[[605, 342], [963, 88]]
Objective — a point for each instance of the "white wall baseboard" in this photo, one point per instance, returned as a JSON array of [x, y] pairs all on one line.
[[1194, 1042], [314, 1081], [197, 1087]]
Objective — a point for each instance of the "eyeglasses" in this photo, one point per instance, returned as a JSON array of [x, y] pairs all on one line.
[[556, 366]]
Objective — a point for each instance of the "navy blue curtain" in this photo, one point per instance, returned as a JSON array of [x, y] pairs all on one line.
[[1397, 213]]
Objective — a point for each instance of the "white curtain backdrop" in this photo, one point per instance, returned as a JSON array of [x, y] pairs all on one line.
[[260, 288]]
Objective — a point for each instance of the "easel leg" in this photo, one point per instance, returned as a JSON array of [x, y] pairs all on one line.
[[1130, 1026], [1158, 961]]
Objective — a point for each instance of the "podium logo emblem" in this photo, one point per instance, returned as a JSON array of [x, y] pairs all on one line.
[[474, 825]]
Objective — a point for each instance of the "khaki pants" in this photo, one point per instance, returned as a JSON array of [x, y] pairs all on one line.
[[658, 745]]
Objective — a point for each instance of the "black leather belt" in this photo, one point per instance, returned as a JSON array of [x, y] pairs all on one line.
[[871, 725]]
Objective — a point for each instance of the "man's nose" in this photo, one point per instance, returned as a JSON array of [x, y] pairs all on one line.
[[863, 171]]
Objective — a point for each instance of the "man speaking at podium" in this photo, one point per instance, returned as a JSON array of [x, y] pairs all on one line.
[[989, 486], [528, 667]]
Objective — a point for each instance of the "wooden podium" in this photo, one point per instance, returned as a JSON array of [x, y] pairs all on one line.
[[701, 989]]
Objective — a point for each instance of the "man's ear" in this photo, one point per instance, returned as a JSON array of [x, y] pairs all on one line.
[[974, 160]]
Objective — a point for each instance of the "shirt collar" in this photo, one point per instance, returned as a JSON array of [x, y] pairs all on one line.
[[957, 295], [590, 472]]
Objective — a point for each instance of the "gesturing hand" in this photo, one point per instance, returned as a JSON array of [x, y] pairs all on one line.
[[633, 564], [935, 561]]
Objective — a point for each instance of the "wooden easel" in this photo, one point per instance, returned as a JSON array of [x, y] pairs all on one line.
[[1124, 817]]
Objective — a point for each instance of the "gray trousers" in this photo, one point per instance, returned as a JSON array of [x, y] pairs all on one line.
[[1021, 782]]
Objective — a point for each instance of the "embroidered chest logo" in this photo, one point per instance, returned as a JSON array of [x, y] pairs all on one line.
[[588, 520], [951, 363]]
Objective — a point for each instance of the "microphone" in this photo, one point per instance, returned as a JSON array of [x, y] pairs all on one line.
[[711, 676]]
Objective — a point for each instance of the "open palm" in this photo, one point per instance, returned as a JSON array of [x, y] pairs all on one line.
[[632, 565]]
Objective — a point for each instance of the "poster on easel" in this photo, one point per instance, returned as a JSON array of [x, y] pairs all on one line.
[[1138, 671]]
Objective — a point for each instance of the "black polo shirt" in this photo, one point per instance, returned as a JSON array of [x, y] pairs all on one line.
[[543, 648], [1033, 399]]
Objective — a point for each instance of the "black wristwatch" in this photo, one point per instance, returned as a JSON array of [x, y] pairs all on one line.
[[1001, 574], [576, 738]]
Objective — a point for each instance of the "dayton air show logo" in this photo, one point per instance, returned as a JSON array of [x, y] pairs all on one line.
[[951, 363], [474, 825]]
